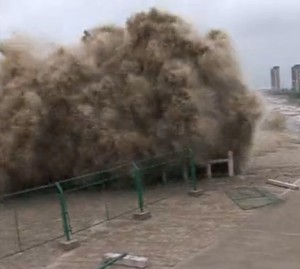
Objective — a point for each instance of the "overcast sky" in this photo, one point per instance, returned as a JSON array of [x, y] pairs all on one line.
[[265, 32]]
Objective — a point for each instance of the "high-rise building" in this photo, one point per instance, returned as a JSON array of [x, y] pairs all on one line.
[[296, 78], [275, 78]]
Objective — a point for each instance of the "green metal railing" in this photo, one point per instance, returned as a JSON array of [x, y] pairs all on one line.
[[193, 170], [136, 173], [137, 170], [64, 212]]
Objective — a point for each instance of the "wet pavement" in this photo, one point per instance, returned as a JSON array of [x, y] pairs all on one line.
[[269, 239]]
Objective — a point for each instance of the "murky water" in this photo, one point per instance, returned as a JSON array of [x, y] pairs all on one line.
[[290, 111]]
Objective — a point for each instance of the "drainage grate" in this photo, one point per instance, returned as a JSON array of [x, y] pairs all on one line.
[[245, 193], [252, 197]]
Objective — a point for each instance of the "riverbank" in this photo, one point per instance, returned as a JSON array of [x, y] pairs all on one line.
[[181, 226], [290, 96]]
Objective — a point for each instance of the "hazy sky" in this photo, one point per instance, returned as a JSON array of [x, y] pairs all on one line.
[[265, 32]]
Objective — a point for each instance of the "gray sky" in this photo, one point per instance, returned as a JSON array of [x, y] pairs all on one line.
[[265, 32]]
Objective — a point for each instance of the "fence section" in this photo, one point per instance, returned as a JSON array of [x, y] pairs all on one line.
[[34, 217], [162, 176], [8, 230], [95, 198], [29, 219]]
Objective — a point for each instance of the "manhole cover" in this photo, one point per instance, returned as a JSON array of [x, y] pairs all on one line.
[[245, 193], [252, 197]]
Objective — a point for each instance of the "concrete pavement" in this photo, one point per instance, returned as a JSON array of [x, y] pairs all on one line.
[[269, 239]]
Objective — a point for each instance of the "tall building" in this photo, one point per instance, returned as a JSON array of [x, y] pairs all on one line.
[[296, 78], [275, 78]]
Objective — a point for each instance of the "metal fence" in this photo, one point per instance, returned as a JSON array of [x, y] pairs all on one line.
[[29, 219], [36, 216]]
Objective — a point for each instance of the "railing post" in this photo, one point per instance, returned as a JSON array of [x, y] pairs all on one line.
[[17, 229], [106, 211], [64, 212], [195, 192], [138, 186], [164, 176], [185, 172], [193, 170], [230, 164], [208, 171], [142, 214]]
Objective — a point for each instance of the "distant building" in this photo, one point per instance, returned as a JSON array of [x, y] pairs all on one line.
[[275, 78], [296, 78]]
